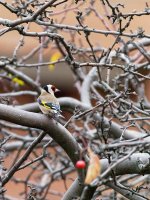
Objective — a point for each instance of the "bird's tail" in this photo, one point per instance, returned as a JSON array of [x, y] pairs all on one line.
[[57, 115], [60, 115]]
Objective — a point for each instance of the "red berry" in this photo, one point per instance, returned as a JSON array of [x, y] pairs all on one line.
[[80, 164]]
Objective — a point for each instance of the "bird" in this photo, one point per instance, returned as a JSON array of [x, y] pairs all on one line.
[[48, 103]]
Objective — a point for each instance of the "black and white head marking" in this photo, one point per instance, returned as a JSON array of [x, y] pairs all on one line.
[[50, 88], [46, 88]]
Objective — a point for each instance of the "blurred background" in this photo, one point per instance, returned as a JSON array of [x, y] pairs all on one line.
[[61, 74], [58, 74]]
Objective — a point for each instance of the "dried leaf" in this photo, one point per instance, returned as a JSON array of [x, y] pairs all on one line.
[[94, 167], [55, 57], [18, 81]]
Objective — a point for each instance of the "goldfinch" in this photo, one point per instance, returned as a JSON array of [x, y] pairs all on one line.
[[48, 103]]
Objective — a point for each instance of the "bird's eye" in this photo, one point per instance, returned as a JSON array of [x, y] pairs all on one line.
[[53, 88]]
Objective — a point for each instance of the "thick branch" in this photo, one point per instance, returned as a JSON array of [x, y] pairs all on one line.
[[61, 135], [69, 104], [138, 163]]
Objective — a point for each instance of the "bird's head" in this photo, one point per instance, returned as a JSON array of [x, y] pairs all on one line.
[[50, 89]]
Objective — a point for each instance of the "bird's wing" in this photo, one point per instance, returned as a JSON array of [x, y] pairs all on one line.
[[49, 105], [52, 106]]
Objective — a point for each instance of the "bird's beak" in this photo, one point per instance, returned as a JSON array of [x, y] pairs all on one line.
[[57, 90]]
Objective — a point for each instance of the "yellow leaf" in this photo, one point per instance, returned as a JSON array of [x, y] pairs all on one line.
[[54, 58], [18, 81], [94, 168]]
